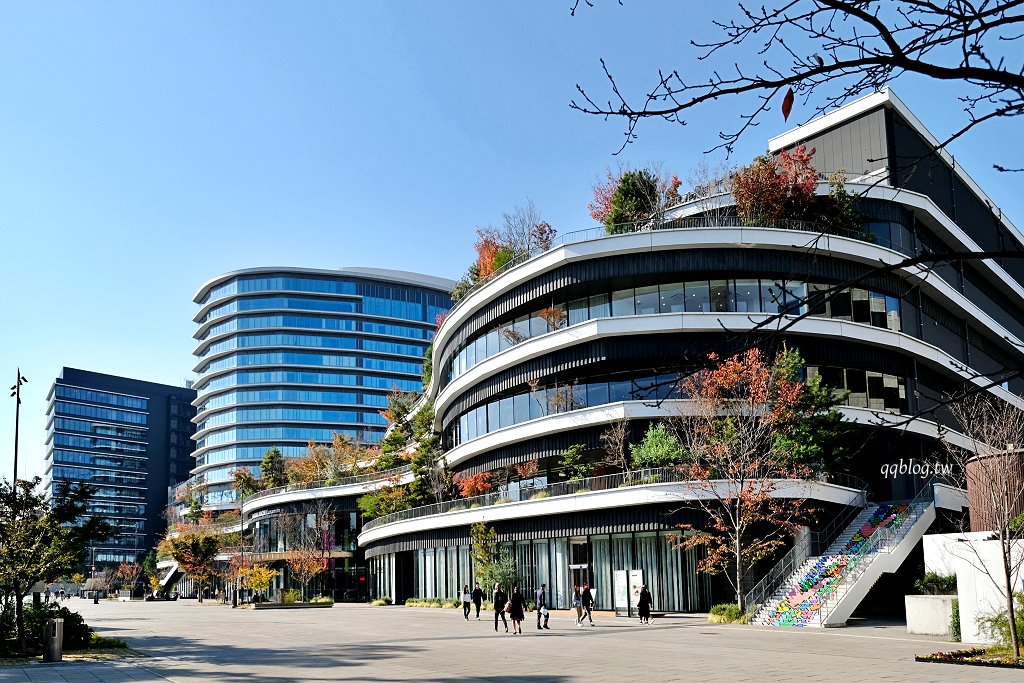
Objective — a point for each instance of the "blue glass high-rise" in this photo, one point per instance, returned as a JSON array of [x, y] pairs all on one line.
[[292, 355]]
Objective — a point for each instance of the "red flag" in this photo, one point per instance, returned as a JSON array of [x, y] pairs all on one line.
[[787, 104]]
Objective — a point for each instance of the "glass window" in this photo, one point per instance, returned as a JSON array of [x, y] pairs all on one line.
[[876, 303], [492, 416], [748, 296], [841, 306], [504, 338], [876, 391], [672, 298], [481, 420], [721, 296], [538, 325], [522, 328], [796, 295], [856, 384], [481, 348], [578, 312], [861, 306], [816, 295], [698, 297], [622, 303], [492, 343], [773, 297], [538, 407], [646, 300], [505, 415], [597, 393], [521, 407], [600, 306], [892, 313], [621, 390], [469, 355]]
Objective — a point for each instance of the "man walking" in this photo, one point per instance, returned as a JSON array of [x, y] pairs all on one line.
[[478, 599], [542, 606], [588, 603]]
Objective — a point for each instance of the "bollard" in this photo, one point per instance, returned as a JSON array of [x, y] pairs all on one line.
[[53, 640], [95, 597]]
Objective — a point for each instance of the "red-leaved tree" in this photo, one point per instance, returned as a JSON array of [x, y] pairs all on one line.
[[734, 430], [776, 187], [473, 484]]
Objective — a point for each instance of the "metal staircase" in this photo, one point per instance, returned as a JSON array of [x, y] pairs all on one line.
[[825, 589]]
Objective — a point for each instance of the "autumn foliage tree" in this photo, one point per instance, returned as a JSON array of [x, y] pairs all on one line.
[[471, 485], [195, 552], [631, 195], [128, 573], [733, 432]]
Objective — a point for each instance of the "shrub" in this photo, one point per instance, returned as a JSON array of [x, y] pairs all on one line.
[[77, 634], [291, 596], [452, 604], [503, 500], [727, 613], [997, 625], [322, 600], [380, 603], [539, 495], [936, 584], [954, 622], [99, 641]]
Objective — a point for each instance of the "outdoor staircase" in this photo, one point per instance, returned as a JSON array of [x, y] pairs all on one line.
[[824, 590], [168, 574]]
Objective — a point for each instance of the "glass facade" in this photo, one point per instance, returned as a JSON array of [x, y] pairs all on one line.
[[562, 562], [285, 358], [127, 439], [750, 295]]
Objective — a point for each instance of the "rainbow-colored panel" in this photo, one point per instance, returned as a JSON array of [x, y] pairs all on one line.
[[806, 597]]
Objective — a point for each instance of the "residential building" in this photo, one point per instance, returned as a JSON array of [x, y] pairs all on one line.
[[127, 438]]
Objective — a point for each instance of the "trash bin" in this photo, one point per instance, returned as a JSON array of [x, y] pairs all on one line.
[[53, 640]]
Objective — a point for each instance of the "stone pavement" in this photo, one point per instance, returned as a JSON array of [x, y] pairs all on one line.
[[188, 642]]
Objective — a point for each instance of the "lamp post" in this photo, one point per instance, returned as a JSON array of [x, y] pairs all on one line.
[[16, 392]]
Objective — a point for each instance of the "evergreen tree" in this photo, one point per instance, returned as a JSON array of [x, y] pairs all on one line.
[[272, 469]]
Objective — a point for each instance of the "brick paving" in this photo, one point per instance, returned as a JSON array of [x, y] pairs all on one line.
[[187, 642]]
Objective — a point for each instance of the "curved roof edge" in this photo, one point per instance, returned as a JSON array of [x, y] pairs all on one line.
[[397, 276]]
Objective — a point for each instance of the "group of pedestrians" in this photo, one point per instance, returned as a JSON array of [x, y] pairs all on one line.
[[583, 603], [476, 598], [512, 605]]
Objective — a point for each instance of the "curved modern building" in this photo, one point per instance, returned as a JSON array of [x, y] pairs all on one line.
[[551, 351], [286, 356]]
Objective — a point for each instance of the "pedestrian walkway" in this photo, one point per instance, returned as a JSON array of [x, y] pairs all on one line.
[[186, 643]]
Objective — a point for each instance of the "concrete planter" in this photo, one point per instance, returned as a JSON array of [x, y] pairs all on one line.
[[929, 615], [295, 605]]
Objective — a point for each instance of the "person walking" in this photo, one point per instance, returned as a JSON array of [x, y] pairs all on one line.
[[499, 599], [478, 599], [541, 595], [645, 603], [466, 597], [577, 604], [588, 603], [517, 611]]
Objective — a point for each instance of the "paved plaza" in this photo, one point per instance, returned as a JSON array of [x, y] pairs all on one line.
[[190, 642]]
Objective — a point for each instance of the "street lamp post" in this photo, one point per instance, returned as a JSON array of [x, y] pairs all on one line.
[[16, 392]]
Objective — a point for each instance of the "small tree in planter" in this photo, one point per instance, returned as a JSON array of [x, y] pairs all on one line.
[[259, 577], [471, 485], [128, 573]]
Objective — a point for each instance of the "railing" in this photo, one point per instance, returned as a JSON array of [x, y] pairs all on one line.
[[324, 483], [682, 223], [812, 544], [606, 482], [880, 541]]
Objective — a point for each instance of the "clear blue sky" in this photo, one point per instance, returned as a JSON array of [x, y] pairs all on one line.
[[147, 147]]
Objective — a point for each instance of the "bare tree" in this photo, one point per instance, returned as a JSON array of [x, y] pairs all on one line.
[[615, 441], [991, 467], [827, 52], [711, 185]]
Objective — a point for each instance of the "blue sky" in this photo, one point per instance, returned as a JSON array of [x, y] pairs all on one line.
[[147, 147]]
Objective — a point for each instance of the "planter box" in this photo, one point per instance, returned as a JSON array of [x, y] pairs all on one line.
[[296, 605], [929, 615]]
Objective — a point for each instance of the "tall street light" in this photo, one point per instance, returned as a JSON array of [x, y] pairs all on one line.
[[16, 392]]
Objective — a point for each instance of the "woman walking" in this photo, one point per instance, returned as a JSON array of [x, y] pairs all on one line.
[[466, 597], [499, 599], [577, 604], [645, 603], [517, 611], [588, 603]]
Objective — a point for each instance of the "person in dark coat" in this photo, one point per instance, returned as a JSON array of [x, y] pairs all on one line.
[[518, 610], [499, 598], [588, 603], [478, 599], [542, 606], [645, 603]]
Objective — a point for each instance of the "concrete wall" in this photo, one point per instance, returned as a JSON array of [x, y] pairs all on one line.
[[978, 568], [929, 615]]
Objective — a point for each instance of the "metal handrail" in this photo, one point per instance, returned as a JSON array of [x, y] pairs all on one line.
[[686, 222], [324, 483], [813, 544], [605, 482], [877, 542]]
